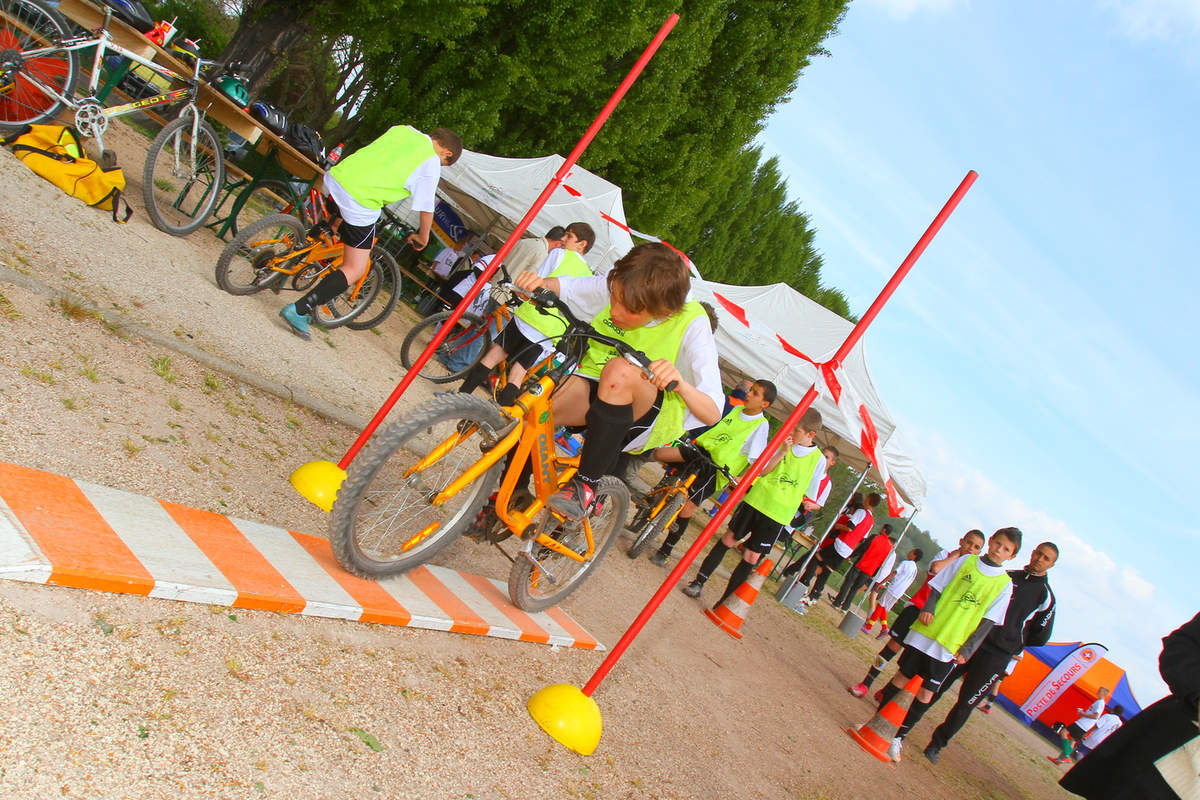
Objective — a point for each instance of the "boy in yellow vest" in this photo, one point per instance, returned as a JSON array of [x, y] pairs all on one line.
[[531, 334], [734, 443], [643, 302], [965, 600], [796, 469], [401, 162]]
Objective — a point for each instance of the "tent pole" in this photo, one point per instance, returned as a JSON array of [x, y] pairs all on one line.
[[894, 549], [483, 279]]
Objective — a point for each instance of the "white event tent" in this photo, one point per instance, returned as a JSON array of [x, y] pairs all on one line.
[[750, 347], [492, 194]]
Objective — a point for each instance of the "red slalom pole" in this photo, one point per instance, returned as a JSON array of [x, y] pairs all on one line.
[[776, 442], [558, 178]]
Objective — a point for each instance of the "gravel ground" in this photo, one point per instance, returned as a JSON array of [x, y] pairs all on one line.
[[117, 696]]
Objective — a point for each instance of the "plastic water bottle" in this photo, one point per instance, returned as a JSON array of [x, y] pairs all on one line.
[[335, 153]]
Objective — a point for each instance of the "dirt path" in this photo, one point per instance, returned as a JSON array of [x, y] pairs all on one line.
[[119, 696]]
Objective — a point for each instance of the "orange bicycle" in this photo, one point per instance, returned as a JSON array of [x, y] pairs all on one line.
[[661, 505], [272, 249], [425, 480]]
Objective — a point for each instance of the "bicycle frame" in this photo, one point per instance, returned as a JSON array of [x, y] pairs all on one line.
[[318, 250], [533, 440]]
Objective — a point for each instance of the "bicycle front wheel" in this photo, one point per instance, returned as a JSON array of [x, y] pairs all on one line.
[[244, 266], [266, 199], [461, 350], [656, 525], [544, 578], [389, 292], [183, 176], [29, 25], [384, 521]]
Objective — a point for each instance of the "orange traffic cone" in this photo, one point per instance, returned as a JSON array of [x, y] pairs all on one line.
[[730, 614], [876, 736]]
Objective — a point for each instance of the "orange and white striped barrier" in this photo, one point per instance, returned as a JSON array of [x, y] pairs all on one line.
[[729, 615], [54, 530]]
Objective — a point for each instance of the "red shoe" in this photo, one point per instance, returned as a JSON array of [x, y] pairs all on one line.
[[986, 708], [859, 690], [879, 697], [574, 501]]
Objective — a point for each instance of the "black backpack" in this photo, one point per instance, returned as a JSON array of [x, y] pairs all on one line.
[[272, 117], [132, 12], [306, 140]]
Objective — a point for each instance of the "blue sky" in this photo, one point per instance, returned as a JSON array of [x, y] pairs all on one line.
[[1039, 358]]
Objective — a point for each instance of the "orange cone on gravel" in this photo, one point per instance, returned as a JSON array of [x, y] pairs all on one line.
[[731, 613], [876, 736]]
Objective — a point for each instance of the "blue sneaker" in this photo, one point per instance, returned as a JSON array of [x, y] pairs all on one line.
[[296, 321]]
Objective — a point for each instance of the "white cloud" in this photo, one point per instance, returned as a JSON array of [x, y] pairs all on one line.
[[1101, 597], [903, 9], [1165, 20]]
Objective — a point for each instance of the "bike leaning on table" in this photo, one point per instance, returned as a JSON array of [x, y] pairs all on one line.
[[39, 68]]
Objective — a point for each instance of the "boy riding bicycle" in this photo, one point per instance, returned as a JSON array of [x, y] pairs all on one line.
[[532, 333], [643, 302], [401, 162], [734, 443]]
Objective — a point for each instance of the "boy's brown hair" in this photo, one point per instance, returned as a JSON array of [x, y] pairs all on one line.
[[449, 140], [873, 499], [811, 421], [652, 278], [1013, 535], [584, 233]]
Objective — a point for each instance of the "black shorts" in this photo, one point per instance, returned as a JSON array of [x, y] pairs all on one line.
[[761, 530], [830, 559], [904, 621], [706, 476], [641, 424], [933, 673], [1077, 733], [359, 236], [517, 347]]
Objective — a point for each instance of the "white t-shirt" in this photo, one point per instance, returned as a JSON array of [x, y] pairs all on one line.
[[462, 287], [885, 568], [1101, 730], [421, 184], [548, 265], [756, 442], [899, 583], [1087, 720], [697, 362], [444, 261], [841, 548], [995, 612]]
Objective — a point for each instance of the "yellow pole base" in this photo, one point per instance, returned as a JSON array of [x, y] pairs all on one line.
[[318, 482], [570, 717]]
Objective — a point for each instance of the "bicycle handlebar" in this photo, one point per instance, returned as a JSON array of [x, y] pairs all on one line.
[[693, 451], [544, 298]]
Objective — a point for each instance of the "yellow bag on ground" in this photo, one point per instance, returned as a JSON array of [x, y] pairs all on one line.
[[55, 153]]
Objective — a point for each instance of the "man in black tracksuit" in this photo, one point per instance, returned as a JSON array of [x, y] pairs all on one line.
[[1027, 623]]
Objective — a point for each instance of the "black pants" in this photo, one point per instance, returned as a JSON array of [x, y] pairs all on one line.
[[978, 675], [854, 580]]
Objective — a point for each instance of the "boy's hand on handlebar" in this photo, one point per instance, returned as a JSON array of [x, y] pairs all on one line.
[[417, 241], [529, 281], [664, 374]]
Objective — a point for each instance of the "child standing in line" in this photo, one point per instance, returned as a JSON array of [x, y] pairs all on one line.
[[847, 537], [965, 600], [794, 470], [734, 443], [970, 544], [897, 585], [870, 555]]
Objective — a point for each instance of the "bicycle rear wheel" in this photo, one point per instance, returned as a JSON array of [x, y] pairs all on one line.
[[534, 587], [459, 352], [383, 521], [182, 179], [349, 304], [389, 292], [656, 525], [266, 199], [27, 25], [243, 266]]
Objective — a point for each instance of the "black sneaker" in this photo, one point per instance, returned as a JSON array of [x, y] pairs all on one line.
[[931, 752], [693, 589], [659, 559], [574, 501]]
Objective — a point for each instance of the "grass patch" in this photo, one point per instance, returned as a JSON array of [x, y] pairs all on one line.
[[162, 368], [164, 184], [7, 310], [70, 404], [41, 377], [175, 404], [133, 449], [75, 311], [212, 383]]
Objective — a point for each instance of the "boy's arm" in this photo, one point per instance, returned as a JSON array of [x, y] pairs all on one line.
[[937, 566], [421, 238], [993, 616], [936, 586], [698, 352]]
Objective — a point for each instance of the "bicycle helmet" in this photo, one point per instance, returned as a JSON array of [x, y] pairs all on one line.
[[233, 88], [185, 50]]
